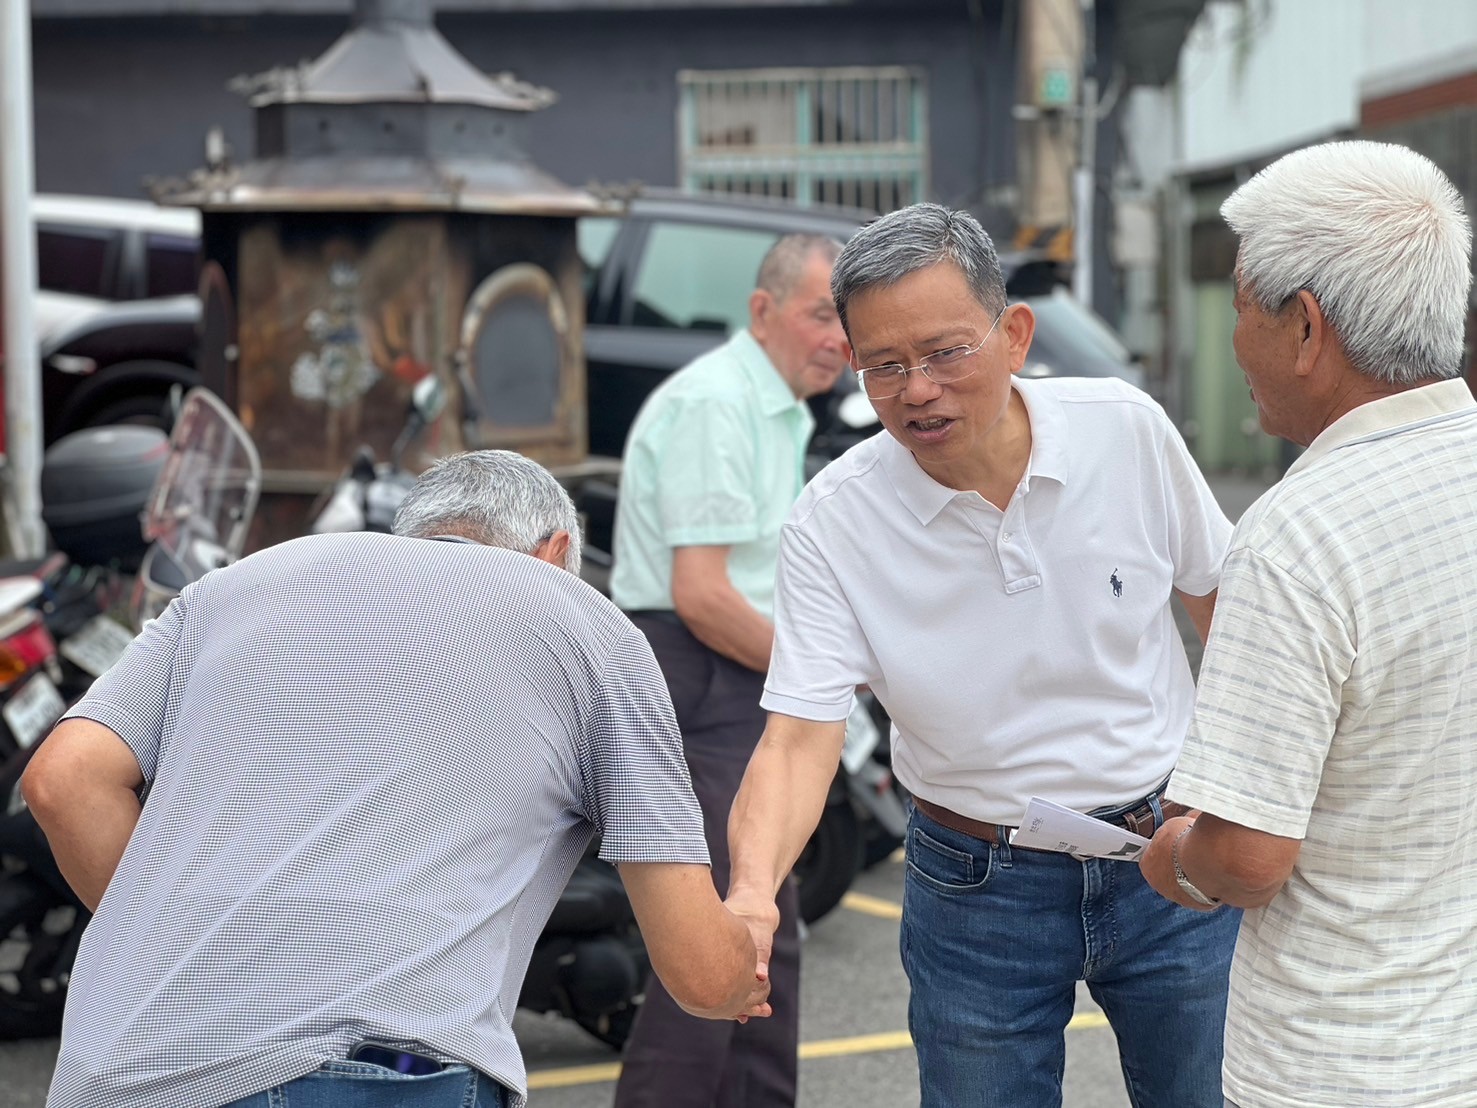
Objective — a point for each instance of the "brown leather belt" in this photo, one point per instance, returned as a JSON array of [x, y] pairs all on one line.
[[1140, 820]]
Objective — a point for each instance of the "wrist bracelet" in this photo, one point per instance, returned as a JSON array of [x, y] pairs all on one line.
[[1179, 873]]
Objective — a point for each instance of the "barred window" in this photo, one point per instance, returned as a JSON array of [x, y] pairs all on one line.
[[856, 136]]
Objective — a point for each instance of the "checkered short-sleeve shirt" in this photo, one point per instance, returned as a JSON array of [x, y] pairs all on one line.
[[1336, 707], [372, 764]]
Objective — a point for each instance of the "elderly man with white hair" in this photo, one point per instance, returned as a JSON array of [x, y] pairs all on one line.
[[1334, 743]]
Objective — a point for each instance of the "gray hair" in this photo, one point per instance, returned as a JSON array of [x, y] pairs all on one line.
[[912, 239], [1377, 234], [783, 263], [494, 497]]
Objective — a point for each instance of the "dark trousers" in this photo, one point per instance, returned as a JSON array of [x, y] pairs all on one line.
[[673, 1060]]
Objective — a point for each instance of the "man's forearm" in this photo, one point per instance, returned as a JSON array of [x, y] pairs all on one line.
[[730, 958], [724, 622], [88, 836], [703, 953], [1239, 866], [1232, 864], [780, 801], [81, 785]]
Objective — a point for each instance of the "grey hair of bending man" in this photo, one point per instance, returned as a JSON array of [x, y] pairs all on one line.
[[495, 497], [1377, 234], [912, 239], [785, 261]]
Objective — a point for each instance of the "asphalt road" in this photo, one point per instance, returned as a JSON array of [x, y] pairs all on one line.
[[855, 1051]]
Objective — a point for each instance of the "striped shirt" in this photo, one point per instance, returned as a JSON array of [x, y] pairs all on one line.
[[1338, 705], [373, 763]]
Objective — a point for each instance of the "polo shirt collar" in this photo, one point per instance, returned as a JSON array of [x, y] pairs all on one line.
[[926, 498], [1388, 414], [775, 396]]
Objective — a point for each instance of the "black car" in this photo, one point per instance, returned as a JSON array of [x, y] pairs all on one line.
[[113, 307]]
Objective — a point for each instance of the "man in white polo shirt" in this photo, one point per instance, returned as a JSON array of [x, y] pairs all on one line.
[[998, 568], [1334, 743]]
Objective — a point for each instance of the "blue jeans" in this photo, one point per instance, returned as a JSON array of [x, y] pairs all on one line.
[[994, 941], [362, 1085]]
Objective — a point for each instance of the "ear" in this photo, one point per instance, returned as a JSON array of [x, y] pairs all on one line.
[[553, 549], [761, 304], [1019, 325], [1314, 335]]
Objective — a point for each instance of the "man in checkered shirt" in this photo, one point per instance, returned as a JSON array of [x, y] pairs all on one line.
[[371, 763], [1333, 748]]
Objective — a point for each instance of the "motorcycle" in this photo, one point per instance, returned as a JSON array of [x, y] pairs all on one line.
[[195, 517], [32, 936], [57, 634], [366, 497], [200, 508]]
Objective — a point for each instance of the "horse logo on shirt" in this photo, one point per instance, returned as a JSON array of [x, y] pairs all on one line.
[[1115, 582]]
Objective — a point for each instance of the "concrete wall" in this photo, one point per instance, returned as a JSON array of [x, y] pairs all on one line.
[[121, 99], [1260, 78]]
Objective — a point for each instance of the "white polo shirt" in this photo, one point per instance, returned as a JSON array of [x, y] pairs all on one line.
[[1019, 653], [1337, 706]]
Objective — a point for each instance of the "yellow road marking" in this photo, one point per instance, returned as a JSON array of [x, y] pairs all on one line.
[[858, 1044], [872, 905], [573, 1075], [1083, 1020], [823, 1048]]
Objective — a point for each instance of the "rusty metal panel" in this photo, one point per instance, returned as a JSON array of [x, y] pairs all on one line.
[[521, 337], [338, 320]]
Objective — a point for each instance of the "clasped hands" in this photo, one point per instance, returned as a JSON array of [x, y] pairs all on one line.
[[761, 916]]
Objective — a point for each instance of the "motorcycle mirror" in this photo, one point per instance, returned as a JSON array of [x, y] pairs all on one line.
[[428, 397], [856, 411]]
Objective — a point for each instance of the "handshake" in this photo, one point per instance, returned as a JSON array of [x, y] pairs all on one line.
[[750, 922], [712, 956]]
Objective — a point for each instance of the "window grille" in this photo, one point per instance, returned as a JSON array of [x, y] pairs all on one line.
[[856, 136]]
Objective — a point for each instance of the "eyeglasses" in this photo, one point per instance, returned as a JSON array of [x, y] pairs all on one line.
[[944, 367]]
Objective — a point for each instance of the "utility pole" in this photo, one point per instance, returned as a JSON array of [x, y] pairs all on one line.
[[23, 437], [1084, 181]]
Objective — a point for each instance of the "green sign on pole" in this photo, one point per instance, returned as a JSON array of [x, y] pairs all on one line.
[[1056, 87]]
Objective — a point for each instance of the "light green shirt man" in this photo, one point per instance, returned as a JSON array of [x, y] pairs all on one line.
[[716, 457]]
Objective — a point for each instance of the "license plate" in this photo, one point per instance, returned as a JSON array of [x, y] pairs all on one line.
[[99, 644], [32, 711]]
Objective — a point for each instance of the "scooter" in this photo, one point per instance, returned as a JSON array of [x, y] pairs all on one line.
[[34, 935], [58, 632], [366, 497], [204, 492]]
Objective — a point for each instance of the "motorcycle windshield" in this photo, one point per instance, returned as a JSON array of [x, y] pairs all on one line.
[[202, 503]]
